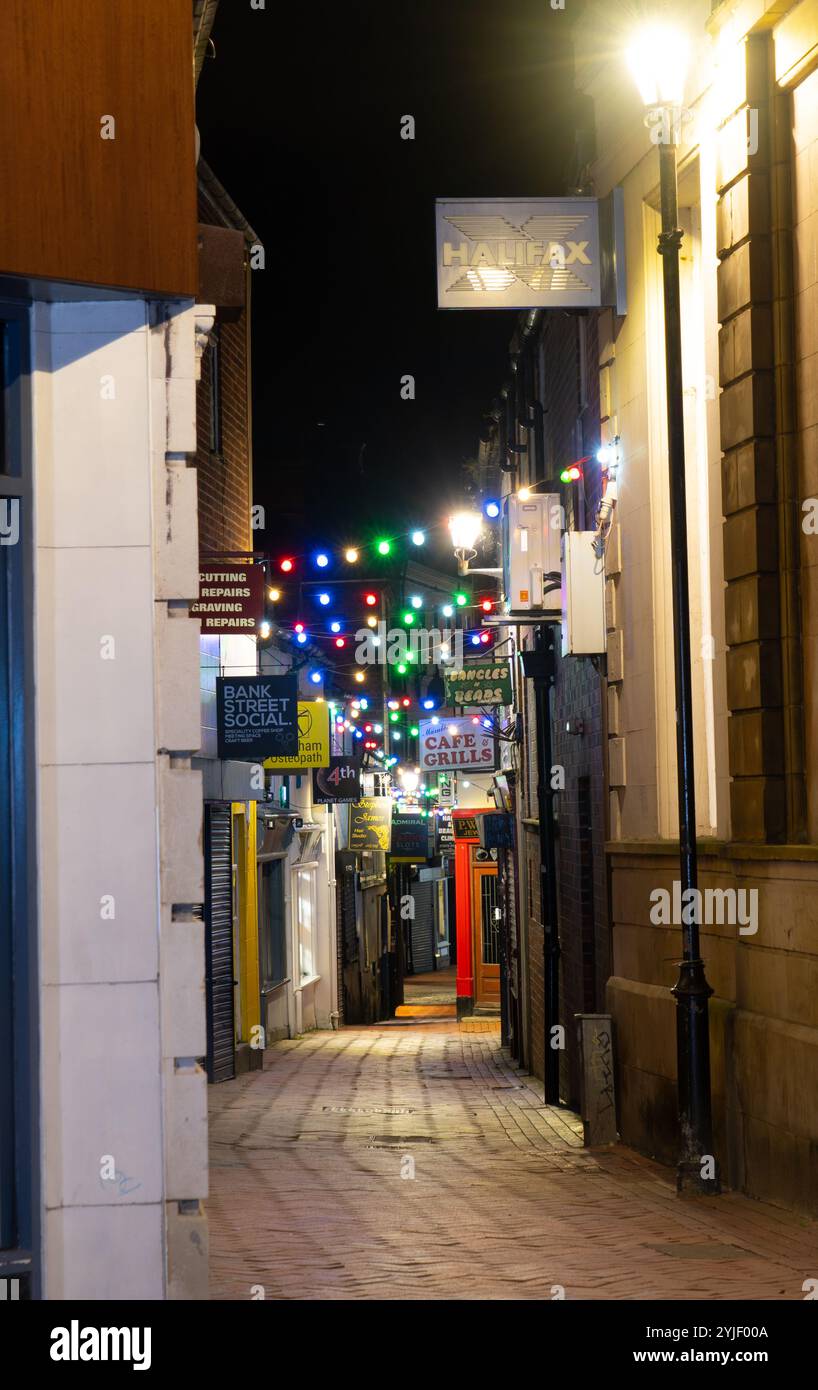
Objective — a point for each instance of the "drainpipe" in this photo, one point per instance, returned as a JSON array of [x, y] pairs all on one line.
[[544, 639]]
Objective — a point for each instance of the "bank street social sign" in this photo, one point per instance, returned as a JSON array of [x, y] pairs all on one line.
[[526, 253], [257, 716], [456, 744]]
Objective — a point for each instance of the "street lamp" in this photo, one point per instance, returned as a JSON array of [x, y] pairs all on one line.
[[464, 528], [658, 60]]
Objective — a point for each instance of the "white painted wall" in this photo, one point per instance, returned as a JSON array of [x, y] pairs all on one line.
[[119, 810]]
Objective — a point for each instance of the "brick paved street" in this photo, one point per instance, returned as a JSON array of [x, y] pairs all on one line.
[[308, 1200]]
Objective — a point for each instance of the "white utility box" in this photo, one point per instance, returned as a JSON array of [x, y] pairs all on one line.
[[583, 596], [531, 553]]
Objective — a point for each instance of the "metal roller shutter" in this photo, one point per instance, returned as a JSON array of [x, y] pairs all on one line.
[[219, 943], [423, 928]]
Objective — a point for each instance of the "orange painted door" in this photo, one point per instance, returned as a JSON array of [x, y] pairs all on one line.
[[485, 934]]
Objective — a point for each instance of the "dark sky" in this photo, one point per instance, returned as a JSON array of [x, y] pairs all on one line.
[[299, 114]]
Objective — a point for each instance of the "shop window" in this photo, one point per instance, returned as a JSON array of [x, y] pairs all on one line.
[[306, 920], [272, 938]]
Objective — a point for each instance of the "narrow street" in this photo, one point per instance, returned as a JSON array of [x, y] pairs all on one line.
[[413, 1161]]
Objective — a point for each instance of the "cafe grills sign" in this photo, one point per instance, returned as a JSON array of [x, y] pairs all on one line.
[[501, 253]]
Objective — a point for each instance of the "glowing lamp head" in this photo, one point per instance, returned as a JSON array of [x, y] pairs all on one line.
[[524, 494], [464, 528], [658, 59]]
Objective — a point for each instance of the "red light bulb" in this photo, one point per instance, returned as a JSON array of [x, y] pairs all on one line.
[[286, 566], [371, 600]]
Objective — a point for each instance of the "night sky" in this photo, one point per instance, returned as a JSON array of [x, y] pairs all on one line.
[[299, 114]]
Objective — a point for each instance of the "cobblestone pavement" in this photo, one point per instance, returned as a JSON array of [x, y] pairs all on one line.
[[417, 1162]]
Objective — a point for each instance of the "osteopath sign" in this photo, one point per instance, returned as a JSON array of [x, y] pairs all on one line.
[[524, 253]]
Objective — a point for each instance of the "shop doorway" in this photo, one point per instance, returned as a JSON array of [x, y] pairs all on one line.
[[486, 934]]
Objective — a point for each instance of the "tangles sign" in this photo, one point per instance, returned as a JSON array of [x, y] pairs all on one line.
[[231, 598], [257, 716], [456, 744], [500, 253], [370, 823], [479, 683], [341, 781], [313, 740]]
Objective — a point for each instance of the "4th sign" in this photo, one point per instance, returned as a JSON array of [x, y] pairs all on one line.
[[341, 781]]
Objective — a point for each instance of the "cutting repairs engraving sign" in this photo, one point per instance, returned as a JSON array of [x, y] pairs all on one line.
[[231, 598], [519, 253]]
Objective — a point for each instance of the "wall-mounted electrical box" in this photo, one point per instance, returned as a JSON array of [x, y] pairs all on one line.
[[531, 553], [583, 595]]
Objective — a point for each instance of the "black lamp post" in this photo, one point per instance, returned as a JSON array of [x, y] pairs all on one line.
[[658, 63]]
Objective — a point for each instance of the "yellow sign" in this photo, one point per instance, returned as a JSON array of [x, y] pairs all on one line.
[[313, 740]]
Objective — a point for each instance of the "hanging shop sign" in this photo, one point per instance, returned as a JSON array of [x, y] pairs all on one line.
[[313, 740], [341, 781], [519, 253], [370, 823], [456, 743], [465, 828], [496, 830], [231, 598], [257, 716], [411, 837], [479, 683], [444, 833]]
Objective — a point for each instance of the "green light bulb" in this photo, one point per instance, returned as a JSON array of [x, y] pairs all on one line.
[[384, 547], [461, 600], [408, 618]]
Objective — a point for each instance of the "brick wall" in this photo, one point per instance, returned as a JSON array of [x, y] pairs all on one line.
[[567, 381]]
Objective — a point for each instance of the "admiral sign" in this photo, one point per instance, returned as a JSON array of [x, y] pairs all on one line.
[[526, 253], [457, 744]]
